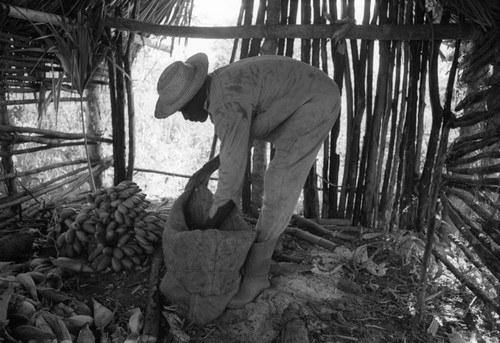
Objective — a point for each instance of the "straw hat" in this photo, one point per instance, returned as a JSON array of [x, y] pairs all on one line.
[[179, 83]]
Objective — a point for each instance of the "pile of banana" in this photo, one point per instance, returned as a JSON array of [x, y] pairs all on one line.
[[115, 228], [34, 308]]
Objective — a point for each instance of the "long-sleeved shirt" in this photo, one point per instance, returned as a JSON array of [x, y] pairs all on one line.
[[250, 99]]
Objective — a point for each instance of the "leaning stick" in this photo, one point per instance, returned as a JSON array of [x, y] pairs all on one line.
[[150, 332], [466, 281]]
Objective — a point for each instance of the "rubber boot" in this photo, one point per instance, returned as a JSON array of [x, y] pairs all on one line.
[[256, 274]]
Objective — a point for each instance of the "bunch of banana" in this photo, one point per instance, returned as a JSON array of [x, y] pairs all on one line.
[[74, 228], [125, 256], [148, 228], [113, 229]]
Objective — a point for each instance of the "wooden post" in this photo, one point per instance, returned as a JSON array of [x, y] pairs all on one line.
[[6, 148], [311, 201], [246, 200], [370, 196]]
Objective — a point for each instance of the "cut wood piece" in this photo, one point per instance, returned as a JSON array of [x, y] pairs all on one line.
[[152, 317], [335, 221], [293, 327], [315, 228], [309, 237]]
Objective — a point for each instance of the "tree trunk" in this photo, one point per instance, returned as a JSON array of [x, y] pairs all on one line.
[[117, 115], [94, 126]]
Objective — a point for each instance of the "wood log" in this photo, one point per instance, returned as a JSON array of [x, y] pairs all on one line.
[[309, 237], [334, 221], [466, 281], [293, 327], [371, 32], [311, 226]]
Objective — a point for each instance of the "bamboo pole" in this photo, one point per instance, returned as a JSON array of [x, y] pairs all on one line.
[[41, 169], [434, 216], [308, 49], [144, 170], [45, 147], [44, 188], [480, 171], [466, 281], [473, 118], [437, 119], [52, 134], [325, 201], [366, 49], [483, 155], [246, 194], [285, 5], [35, 101], [334, 158], [422, 103], [345, 189], [370, 32], [292, 20], [470, 254], [391, 156], [489, 259], [370, 196], [259, 20], [493, 182], [388, 120], [129, 89], [482, 211]]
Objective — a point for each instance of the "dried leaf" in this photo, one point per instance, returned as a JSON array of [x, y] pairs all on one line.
[[6, 292], [102, 315]]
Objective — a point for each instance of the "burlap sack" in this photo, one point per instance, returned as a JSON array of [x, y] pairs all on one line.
[[203, 266]]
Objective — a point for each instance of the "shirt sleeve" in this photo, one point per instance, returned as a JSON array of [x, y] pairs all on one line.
[[232, 121]]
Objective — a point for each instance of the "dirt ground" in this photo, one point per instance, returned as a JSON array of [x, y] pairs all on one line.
[[339, 300]]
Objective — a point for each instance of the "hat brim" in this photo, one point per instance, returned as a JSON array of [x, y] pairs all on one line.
[[200, 63]]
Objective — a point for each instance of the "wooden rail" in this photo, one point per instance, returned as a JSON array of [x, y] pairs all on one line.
[[367, 32]]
